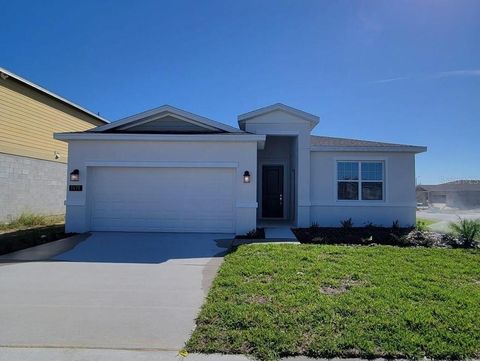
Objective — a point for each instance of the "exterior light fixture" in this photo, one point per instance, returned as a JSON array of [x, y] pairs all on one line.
[[246, 177], [75, 175]]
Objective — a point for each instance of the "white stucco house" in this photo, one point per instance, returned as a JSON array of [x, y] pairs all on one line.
[[170, 170]]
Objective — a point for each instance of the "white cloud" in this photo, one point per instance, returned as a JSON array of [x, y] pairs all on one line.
[[464, 72], [389, 80], [441, 74]]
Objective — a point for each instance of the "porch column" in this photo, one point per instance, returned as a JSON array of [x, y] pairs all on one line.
[[303, 192]]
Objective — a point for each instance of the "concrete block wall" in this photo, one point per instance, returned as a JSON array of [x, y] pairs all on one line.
[[31, 185]]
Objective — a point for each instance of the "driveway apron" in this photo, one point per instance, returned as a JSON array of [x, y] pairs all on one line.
[[108, 290]]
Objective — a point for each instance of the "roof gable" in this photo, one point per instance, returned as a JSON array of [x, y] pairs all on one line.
[[166, 120], [279, 107], [167, 124]]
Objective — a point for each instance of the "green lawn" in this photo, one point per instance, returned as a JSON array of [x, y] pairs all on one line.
[[29, 230], [31, 220], [278, 300], [426, 221]]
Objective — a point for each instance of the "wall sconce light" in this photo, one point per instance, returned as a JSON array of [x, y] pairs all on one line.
[[246, 177], [75, 175]]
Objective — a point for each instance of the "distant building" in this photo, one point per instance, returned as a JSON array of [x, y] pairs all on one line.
[[457, 194], [32, 164]]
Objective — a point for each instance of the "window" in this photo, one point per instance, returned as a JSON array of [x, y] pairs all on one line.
[[360, 180]]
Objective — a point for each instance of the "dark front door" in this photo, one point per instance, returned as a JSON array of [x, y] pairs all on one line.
[[272, 191]]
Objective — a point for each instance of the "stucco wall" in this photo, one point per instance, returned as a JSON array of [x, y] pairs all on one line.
[[399, 201], [31, 185], [86, 154], [282, 123]]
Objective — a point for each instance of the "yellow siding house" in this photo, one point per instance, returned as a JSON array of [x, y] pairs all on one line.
[[32, 163]]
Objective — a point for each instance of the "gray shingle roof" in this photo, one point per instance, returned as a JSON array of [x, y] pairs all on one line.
[[345, 142], [320, 143]]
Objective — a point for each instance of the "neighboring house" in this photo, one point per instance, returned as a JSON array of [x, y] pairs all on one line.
[[457, 194], [32, 163], [170, 170]]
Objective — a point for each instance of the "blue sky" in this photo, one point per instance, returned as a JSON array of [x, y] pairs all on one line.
[[398, 71]]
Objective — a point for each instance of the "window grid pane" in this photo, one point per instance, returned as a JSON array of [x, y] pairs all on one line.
[[347, 191], [347, 171], [372, 191], [372, 171]]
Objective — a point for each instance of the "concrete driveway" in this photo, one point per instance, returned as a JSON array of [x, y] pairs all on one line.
[[108, 290]]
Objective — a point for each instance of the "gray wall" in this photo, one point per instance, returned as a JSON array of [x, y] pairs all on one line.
[[31, 185], [399, 202]]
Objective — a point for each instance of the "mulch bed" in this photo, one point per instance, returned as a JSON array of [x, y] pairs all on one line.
[[353, 235], [20, 239], [258, 233], [393, 236]]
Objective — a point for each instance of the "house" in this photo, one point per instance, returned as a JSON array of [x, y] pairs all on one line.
[[32, 164], [463, 194], [170, 170]]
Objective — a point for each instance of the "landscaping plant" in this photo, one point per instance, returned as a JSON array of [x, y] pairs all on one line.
[[29, 220], [468, 231], [314, 226], [421, 225], [347, 223], [396, 225], [256, 233]]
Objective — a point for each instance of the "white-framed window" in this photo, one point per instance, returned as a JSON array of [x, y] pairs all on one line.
[[360, 180]]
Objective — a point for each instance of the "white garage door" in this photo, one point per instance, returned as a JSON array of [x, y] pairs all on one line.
[[162, 199]]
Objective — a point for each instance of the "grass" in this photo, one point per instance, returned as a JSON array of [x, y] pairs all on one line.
[[427, 222], [29, 220], [30, 230], [271, 301]]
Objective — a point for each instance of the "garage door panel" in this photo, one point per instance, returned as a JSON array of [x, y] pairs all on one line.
[[164, 225], [162, 199]]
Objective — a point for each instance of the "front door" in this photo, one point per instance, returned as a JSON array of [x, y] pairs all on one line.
[[272, 191]]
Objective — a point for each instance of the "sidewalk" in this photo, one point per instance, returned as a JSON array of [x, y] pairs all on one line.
[[68, 354]]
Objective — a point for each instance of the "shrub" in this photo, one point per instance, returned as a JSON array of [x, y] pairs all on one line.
[[468, 231], [256, 233], [347, 223], [402, 236], [421, 225], [369, 225], [314, 226], [30, 219], [27, 220], [396, 225], [252, 233]]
